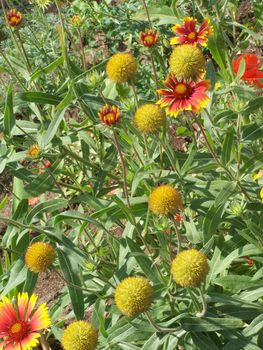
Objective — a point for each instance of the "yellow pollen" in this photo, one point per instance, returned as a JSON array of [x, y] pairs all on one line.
[[16, 328], [191, 35], [148, 39], [110, 116], [13, 19], [180, 89]]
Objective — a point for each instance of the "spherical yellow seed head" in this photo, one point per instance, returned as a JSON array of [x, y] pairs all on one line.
[[165, 200], [187, 62], [149, 118], [80, 335], [121, 67], [190, 268], [39, 257], [133, 296]]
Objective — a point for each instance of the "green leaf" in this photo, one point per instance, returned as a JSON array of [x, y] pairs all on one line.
[[70, 272], [18, 273], [203, 342], [46, 70], [30, 282], [9, 118], [211, 221], [147, 266], [227, 146], [236, 282], [59, 115], [49, 206], [253, 105], [162, 15], [210, 324], [39, 97], [225, 193]]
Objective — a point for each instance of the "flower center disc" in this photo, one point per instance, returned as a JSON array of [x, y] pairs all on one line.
[[191, 36], [110, 117], [149, 39], [13, 19], [18, 330], [180, 89]]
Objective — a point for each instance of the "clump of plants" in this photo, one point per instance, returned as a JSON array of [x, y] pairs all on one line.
[[137, 176]]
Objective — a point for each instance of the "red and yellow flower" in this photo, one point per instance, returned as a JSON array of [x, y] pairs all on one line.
[[14, 17], [149, 38], [20, 325], [183, 95], [252, 73], [188, 34], [109, 115]]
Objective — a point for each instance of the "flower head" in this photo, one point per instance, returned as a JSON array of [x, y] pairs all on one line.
[[39, 257], [133, 296], [76, 20], [188, 34], [149, 38], [121, 67], [20, 326], [190, 268], [109, 115], [165, 200], [14, 17], [33, 151], [80, 335], [182, 95], [252, 73], [42, 4], [187, 62], [149, 118]]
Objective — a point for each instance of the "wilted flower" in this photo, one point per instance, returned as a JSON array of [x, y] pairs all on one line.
[[252, 73], [121, 67], [76, 20], [189, 268], [149, 38], [188, 34], [165, 200], [187, 62], [14, 17], [183, 95], [33, 151], [33, 201], [80, 335], [109, 115], [20, 326], [39, 257], [149, 118], [133, 296]]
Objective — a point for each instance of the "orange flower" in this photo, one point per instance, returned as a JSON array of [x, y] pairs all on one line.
[[188, 33], [76, 20], [149, 38], [183, 95], [14, 17], [20, 326], [109, 115], [252, 72]]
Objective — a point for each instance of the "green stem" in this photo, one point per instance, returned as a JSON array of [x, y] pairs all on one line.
[[135, 94], [82, 50], [147, 12], [203, 302], [159, 328], [217, 159], [124, 171], [154, 73], [178, 235]]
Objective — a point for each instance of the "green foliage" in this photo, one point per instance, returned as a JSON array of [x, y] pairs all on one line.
[[52, 90]]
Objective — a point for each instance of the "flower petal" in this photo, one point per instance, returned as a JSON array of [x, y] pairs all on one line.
[[31, 341], [40, 319]]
